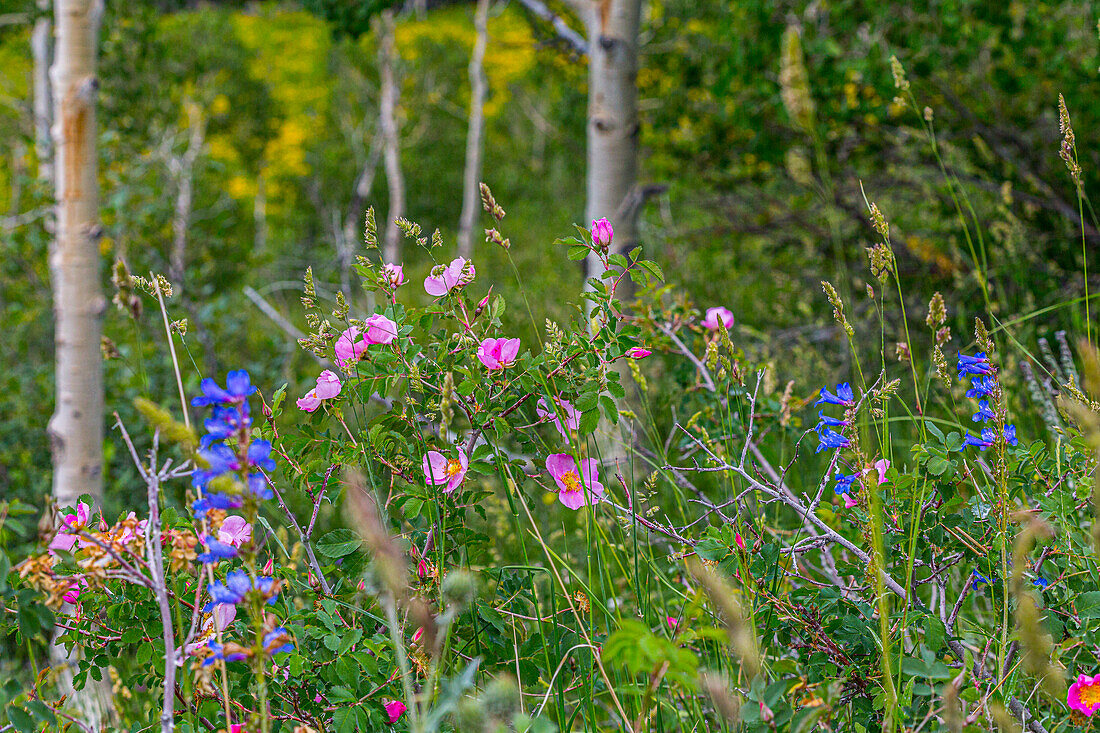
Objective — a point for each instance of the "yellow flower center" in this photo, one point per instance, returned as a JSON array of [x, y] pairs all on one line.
[[1090, 694], [453, 468], [572, 481]]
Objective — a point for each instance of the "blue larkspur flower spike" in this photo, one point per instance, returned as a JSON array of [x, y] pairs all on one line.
[[1040, 583], [973, 365], [238, 388], [216, 551], [977, 579], [214, 500], [984, 414], [1010, 435], [830, 439], [844, 482], [843, 396], [980, 387], [224, 422], [218, 654]]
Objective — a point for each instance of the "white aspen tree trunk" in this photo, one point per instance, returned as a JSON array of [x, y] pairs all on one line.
[[183, 170], [352, 231], [613, 27], [391, 143], [43, 104], [471, 193], [76, 428]]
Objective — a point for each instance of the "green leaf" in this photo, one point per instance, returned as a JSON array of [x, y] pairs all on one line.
[[578, 253], [937, 465], [589, 421], [343, 720], [1088, 604], [348, 641], [338, 542], [22, 721]]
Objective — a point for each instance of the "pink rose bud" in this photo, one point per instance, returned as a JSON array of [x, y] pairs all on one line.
[[638, 352], [740, 542], [422, 569], [419, 633], [362, 585], [269, 566], [672, 622], [602, 233]]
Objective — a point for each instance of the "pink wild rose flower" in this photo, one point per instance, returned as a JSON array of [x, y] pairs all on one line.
[[602, 233], [571, 414], [350, 347], [393, 275], [445, 278], [573, 491], [718, 317], [380, 330], [1084, 695], [234, 531], [497, 354], [328, 386], [64, 541], [394, 709], [438, 469]]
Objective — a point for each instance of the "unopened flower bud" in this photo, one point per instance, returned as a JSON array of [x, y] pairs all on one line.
[[269, 566], [602, 234]]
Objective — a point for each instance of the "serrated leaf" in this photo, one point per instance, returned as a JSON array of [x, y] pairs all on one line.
[[589, 421], [578, 253], [338, 542]]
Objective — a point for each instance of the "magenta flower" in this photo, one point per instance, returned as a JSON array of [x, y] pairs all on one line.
[[438, 469], [393, 275], [64, 541], [573, 491], [349, 348], [234, 531], [602, 233], [881, 465], [737, 538], [328, 386], [445, 278], [394, 709], [498, 353], [1084, 695], [672, 622], [850, 500], [73, 593], [718, 317], [572, 415], [638, 352]]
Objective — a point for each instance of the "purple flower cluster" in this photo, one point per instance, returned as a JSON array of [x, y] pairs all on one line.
[[983, 382]]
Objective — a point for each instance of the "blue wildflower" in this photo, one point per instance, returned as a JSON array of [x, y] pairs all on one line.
[[1040, 583], [238, 387], [984, 414], [259, 454], [980, 387], [218, 654], [224, 422], [216, 551], [219, 459], [236, 587], [277, 641], [258, 485], [977, 579], [214, 500], [844, 482], [830, 439], [1010, 435], [825, 420], [977, 364], [843, 396], [987, 437]]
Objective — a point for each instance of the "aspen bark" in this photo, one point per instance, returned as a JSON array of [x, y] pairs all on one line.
[[76, 428], [43, 104], [391, 143], [471, 194], [612, 119], [182, 168]]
